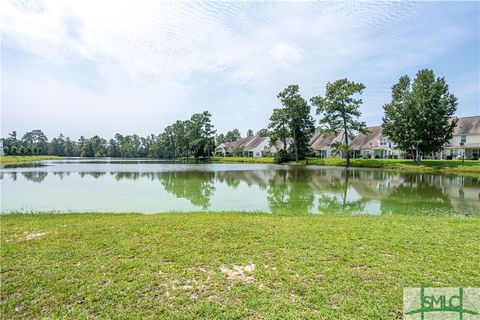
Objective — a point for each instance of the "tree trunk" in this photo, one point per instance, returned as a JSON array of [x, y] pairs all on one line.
[[295, 145], [347, 149], [345, 189]]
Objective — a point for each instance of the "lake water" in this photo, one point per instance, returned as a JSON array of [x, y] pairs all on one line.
[[81, 185]]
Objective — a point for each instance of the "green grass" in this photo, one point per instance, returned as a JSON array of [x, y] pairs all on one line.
[[244, 159], [170, 265], [426, 166], [25, 159]]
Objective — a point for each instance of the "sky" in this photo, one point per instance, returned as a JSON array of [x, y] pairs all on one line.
[[102, 67]]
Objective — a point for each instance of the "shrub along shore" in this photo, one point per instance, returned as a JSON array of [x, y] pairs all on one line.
[[214, 265]]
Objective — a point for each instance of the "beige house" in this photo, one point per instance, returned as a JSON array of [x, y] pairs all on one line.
[[320, 143], [247, 147], [374, 144], [256, 147], [229, 148], [465, 141]]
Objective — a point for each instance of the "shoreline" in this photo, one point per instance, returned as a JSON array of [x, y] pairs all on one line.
[[470, 168]]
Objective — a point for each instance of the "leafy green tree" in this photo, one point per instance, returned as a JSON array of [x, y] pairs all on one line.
[[232, 136], [219, 139], [278, 126], [36, 138], [201, 135], [168, 140], [71, 148], [57, 146], [249, 133], [340, 111], [6, 150], [294, 116], [263, 133], [182, 134], [418, 117]]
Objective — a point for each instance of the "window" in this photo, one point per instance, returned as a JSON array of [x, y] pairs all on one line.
[[454, 153], [463, 139], [383, 142]]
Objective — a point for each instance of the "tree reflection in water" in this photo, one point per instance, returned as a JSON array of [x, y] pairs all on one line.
[[196, 186], [289, 192], [338, 201], [35, 176]]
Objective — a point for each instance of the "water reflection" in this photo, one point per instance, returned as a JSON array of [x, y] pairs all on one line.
[[278, 189], [197, 187], [35, 176]]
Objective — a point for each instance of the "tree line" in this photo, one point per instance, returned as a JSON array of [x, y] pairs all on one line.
[[417, 120], [190, 138]]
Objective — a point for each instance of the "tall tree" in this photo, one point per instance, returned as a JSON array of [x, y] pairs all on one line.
[[340, 111], [296, 112], [232, 136], [249, 133], [419, 116], [201, 135], [263, 133], [278, 126], [219, 139], [36, 138]]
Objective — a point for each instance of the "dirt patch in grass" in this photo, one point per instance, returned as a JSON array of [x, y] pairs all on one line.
[[239, 273]]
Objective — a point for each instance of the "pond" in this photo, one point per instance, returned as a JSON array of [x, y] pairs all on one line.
[[106, 185]]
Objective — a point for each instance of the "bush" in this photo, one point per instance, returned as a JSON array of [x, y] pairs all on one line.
[[282, 156]]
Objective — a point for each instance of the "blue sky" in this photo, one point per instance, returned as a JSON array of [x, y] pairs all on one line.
[[101, 67]]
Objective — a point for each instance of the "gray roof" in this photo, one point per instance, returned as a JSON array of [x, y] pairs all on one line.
[[254, 143], [467, 125], [367, 141], [324, 141]]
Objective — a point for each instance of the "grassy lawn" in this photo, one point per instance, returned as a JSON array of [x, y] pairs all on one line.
[[427, 166], [222, 266], [25, 159]]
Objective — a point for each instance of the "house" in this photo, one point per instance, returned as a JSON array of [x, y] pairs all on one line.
[[247, 147], [230, 148], [321, 142], [279, 145], [256, 147], [465, 141], [374, 144]]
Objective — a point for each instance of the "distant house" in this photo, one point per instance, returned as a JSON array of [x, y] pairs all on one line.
[[374, 144], [256, 147], [279, 145], [247, 147], [466, 139], [229, 148], [251, 147], [321, 142]]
